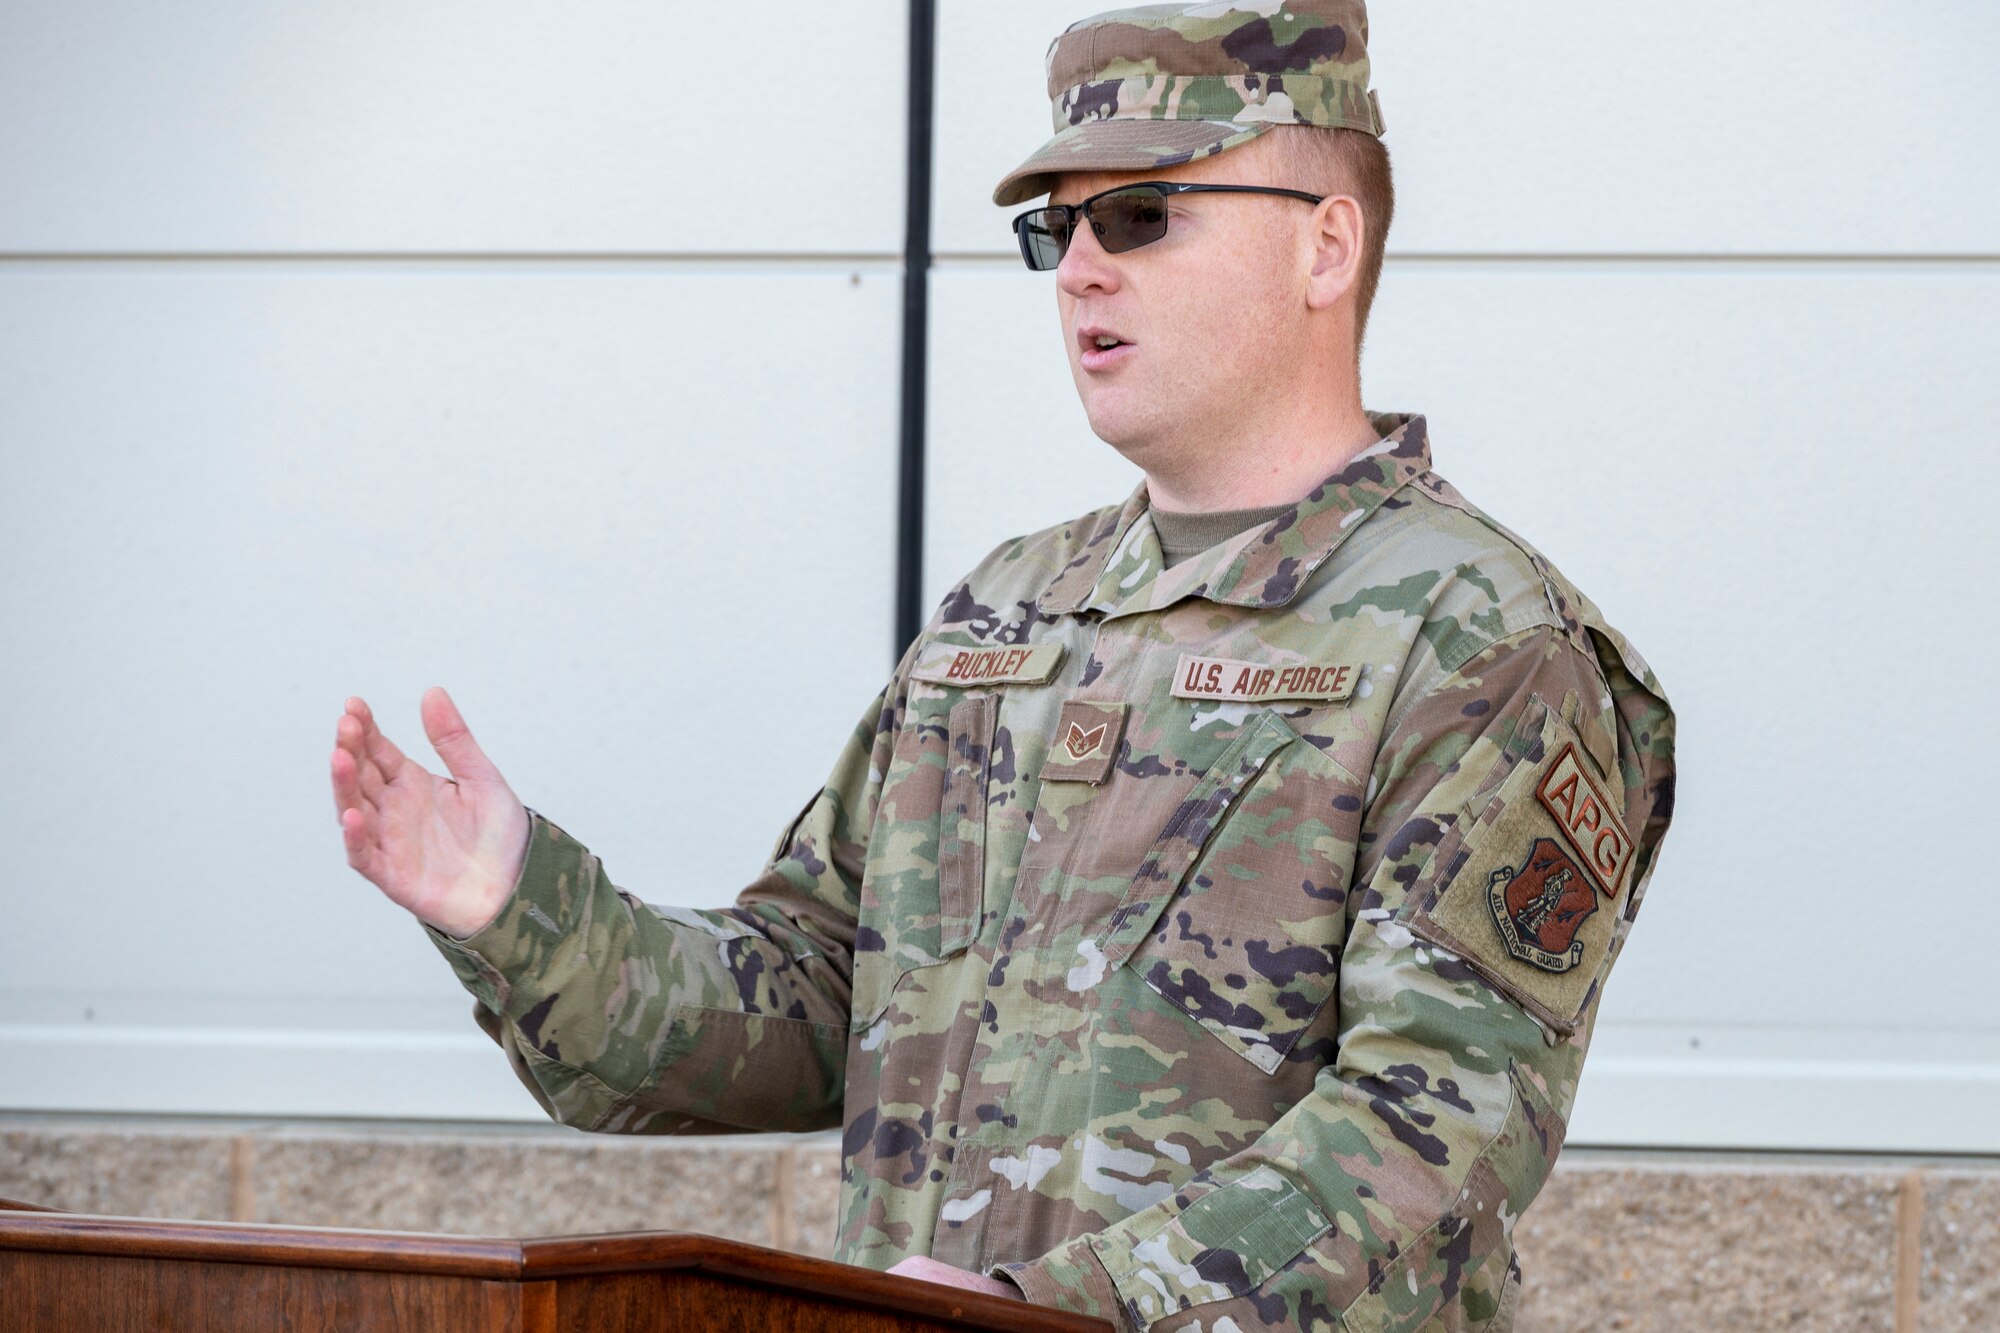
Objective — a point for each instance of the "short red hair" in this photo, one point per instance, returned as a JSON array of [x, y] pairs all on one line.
[[1351, 162]]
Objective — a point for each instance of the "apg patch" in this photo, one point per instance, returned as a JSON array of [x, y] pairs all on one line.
[[1540, 905], [1085, 741], [1587, 819]]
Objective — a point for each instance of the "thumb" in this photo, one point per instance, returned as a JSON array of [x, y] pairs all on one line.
[[452, 739]]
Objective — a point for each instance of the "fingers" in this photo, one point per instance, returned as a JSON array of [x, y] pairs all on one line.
[[350, 736], [347, 794], [376, 747], [349, 758], [452, 739], [354, 836], [351, 808], [356, 765]]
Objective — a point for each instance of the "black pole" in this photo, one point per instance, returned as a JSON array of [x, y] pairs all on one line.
[[916, 326]]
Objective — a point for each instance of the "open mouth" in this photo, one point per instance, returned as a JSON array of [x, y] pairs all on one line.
[[1101, 348]]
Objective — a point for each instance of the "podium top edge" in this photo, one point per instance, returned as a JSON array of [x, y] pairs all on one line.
[[256, 1242], [531, 1259]]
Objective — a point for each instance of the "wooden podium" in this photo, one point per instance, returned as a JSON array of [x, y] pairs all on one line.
[[69, 1271]]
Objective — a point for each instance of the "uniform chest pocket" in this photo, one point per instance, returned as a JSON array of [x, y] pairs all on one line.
[[1237, 916], [922, 899]]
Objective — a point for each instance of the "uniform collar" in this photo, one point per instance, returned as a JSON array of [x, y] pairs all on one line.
[[1117, 571]]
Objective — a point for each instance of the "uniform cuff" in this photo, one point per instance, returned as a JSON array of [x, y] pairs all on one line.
[[517, 942], [1211, 1242], [1068, 1277]]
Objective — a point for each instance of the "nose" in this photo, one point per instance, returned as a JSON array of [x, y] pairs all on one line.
[[1085, 265]]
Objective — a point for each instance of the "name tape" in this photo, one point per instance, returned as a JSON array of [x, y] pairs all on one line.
[[1028, 664]]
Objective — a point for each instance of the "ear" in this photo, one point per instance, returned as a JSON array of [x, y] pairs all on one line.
[[1334, 239]]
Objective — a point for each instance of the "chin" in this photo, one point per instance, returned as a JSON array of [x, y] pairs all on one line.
[[1126, 413], [1107, 422], [1131, 434], [1102, 403]]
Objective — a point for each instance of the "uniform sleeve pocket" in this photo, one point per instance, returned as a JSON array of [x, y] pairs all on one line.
[[783, 846], [1526, 886]]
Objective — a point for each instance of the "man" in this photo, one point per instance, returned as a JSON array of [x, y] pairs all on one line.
[[1204, 926]]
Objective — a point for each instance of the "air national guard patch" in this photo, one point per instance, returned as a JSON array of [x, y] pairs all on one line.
[[1539, 906], [1522, 890], [1019, 664], [1231, 681]]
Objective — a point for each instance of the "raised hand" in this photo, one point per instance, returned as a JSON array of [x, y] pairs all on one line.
[[447, 849]]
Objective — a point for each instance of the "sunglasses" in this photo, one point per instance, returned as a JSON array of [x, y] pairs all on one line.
[[1123, 219]]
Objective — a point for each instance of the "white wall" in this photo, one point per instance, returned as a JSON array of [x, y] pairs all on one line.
[[538, 352], [552, 354]]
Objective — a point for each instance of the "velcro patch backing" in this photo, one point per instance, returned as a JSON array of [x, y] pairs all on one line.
[[1085, 741], [1514, 894]]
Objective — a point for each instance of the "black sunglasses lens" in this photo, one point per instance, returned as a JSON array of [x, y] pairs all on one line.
[[1044, 236], [1129, 219], [1122, 220]]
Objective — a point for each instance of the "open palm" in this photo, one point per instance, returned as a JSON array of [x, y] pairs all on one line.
[[447, 849]]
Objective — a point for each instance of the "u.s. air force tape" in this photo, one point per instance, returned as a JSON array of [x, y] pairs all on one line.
[[1259, 682]]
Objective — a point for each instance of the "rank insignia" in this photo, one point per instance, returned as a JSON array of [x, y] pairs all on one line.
[[1085, 743], [1082, 744], [1540, 905]]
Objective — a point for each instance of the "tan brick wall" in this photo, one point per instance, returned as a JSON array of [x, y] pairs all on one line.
[[1618, 1240]]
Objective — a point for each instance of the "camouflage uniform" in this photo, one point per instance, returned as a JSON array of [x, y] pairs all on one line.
[[1213, 948]]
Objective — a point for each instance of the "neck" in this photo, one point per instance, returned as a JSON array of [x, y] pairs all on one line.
[[1259, 465]]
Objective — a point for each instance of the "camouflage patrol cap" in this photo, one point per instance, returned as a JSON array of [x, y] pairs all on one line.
[[1157, 85]]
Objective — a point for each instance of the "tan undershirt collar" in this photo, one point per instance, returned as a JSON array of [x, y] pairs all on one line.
[[1183, 535]]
